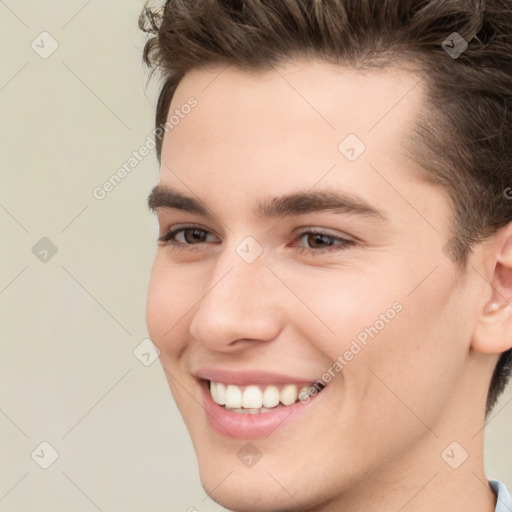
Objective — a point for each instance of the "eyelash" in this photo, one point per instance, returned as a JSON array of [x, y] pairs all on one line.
[[343, 243]]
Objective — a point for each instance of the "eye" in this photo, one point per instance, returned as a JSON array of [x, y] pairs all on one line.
[[314, 242], [190, 235]]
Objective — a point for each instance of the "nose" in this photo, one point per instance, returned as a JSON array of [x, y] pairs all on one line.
[[242, 303]]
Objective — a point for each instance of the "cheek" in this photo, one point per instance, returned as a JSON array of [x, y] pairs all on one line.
[[337, 308], [416, 361], [415, 341], [171, 295]]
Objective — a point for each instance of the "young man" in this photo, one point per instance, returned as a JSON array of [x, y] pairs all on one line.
[[331, 293]]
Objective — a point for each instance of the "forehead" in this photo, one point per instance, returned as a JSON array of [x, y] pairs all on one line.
[[307, 104], [301, 117], [363, 96]]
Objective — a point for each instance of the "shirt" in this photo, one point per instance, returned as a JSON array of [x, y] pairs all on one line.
[[504, 499]]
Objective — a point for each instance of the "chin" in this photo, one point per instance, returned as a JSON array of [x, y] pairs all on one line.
[[277, 482], [245, 491]]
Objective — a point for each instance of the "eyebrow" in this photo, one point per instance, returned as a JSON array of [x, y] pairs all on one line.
[[296, 203]]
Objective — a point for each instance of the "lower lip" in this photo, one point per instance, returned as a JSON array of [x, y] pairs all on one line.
[[249, 426]]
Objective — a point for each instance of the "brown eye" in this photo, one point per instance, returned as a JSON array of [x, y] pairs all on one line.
[[187, 236], [318, 242], [192, 236]]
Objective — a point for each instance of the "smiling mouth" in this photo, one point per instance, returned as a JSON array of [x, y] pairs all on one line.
[[256, 399]]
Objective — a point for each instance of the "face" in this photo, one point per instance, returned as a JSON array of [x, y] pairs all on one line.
[[298, 245]]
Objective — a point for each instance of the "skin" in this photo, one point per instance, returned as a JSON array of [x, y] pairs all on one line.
[[373, 440]]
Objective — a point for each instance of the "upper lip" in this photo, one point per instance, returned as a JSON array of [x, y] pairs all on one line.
[[247, 377]]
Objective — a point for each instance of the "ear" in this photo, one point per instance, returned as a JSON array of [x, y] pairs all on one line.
[[493, 333]]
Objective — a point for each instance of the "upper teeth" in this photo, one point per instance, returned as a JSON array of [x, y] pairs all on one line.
[[254, 397]]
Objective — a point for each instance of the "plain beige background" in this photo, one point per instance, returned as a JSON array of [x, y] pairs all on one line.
[[71, 321]]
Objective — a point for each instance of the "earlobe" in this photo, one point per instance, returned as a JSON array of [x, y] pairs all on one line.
[[493, 333], [493, 306]]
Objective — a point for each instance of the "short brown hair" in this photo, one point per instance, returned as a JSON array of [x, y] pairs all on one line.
[[464, 142]]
